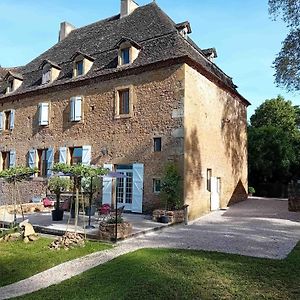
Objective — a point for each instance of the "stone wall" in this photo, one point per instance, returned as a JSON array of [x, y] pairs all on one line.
[[215, 124], [24, 191], [157, 100]]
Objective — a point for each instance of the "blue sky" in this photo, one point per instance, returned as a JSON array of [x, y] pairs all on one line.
[[245, 37]]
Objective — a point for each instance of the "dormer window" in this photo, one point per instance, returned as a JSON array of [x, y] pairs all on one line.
[[79, 68], [82, 64], [125, 56], [210, 53], [13, 81], [184, 29], [10, 86], [128, 51], [50, 71]]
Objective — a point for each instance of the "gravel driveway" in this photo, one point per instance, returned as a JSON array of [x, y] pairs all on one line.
[[256, 227]]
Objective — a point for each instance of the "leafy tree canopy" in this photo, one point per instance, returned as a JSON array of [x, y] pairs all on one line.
[[278, 113], [287, 62], [18, 173]]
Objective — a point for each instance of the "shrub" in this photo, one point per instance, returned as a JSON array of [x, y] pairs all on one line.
[[251, 190], [171, 188], [112, 220]]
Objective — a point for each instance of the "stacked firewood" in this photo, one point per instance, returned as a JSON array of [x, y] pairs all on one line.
[[68, 241]]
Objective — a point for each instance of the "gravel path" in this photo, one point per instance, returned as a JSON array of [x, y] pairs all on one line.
[[257, 227]]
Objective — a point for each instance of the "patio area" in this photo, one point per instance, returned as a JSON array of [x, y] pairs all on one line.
[[42, 222]]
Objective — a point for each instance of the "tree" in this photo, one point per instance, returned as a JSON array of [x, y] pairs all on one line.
[[287, 62], [274, 143], [277, 112]]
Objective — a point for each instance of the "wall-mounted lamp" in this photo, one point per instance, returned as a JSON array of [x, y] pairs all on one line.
[[104, 151]]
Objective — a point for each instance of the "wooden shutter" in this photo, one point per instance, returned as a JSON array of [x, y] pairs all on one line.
[[138, 185], [12, 119], [72, 109], [86, 155], [32, 158], [107, 186], [63, 155], [50, 161], [78, 109], [1, 120], [12, 158], [44, 114]]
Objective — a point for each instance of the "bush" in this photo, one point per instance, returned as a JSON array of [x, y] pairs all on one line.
[[251, 190], [112, 220], [171, 188]]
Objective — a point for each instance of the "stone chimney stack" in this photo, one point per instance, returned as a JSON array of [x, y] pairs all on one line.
[[65, 29], [127, 7]]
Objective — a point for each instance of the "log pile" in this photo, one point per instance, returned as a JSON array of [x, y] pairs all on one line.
[[68, 241]]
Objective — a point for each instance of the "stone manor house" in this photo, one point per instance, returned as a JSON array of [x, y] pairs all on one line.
[[131, 92]]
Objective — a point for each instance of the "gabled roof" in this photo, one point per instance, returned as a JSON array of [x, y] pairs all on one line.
[[208, 52], [13, 74], [47, 61], [182, 25], [130, 41], [159, 39], [77, 53]]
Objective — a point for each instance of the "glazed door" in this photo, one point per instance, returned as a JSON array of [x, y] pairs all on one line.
[[124, 187]]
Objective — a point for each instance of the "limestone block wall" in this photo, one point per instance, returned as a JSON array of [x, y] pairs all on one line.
[[215, 125], [157, 105]]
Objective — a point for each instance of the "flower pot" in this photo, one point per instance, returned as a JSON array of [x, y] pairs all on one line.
[[57, 215], [90, 210], [164, 219]]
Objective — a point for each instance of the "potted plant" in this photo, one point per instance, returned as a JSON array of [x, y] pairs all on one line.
[[170, 193], [57, 185], [251, 191], [90, 185]]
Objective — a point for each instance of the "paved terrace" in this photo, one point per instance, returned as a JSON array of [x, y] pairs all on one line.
[[42, 222]]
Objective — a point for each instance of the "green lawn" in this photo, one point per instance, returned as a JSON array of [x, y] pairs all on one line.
[[176, 274], [19, 260]]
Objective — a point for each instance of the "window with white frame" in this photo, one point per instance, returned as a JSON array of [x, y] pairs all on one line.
[[43, 114], [76, 109], [125, 56], [79, 70], [7, 120]]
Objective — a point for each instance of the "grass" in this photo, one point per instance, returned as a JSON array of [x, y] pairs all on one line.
[[19, 260], [179, 274]]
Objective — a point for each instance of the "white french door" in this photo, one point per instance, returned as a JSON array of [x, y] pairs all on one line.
[[124, 188]]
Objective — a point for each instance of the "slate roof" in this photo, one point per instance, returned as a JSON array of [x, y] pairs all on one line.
[[148, 26]]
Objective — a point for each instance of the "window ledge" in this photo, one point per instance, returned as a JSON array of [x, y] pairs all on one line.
[[125, 116]]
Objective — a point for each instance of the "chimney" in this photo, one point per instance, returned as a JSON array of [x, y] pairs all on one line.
[[127, 7], [65, 29]]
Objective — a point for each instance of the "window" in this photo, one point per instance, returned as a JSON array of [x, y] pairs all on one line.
[[7, 159], [43, 114], [156, 185], [4, 160], [157, 144], [125, 56], [42, 162], [124, 102], [79, 68], [46, 78], [76, 109], [208, 176], [42, 159], [75, 155], [10, 86], [7, 119]]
